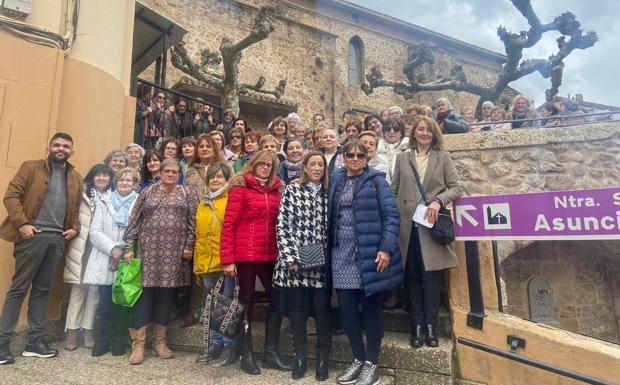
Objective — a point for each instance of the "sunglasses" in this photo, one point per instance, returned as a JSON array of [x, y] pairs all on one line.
[[391, 129], [352, 155]]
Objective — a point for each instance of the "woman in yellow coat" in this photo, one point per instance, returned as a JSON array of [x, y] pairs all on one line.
[[207, 265]]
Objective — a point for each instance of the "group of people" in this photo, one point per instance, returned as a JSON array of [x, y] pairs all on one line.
[[236, 205]]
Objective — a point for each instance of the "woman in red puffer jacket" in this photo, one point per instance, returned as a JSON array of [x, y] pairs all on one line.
[[248, 249]]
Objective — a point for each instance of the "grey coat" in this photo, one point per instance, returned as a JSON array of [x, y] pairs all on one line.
[[440, 181]]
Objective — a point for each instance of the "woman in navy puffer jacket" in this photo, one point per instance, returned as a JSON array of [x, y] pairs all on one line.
[[363, 256]]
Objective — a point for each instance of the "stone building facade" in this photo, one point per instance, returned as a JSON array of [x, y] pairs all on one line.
[[583, 275], [309, 48]]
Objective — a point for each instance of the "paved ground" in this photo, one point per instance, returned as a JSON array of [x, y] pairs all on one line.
[[79, 368]]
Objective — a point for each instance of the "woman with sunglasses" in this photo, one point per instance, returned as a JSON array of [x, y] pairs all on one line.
[[248, 250], [235, 141], [363, 257], [394, 142]]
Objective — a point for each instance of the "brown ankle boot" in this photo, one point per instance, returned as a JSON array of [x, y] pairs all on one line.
[[160, 346], [138, 339], [71, 339]]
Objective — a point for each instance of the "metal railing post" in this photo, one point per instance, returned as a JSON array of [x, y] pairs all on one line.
[[475, 317]]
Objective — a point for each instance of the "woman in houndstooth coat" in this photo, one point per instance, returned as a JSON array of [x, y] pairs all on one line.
[[302, 221]]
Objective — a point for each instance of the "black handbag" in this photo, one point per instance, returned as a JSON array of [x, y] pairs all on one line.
[[311, 256], [442, 231], [221, 313]]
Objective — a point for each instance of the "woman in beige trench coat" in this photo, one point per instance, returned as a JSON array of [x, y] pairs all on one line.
[[425, 259]]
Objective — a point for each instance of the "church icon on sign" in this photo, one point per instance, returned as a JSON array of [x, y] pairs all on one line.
[[497, 216]]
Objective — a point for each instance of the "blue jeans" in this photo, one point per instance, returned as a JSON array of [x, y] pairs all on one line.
[[209, 280]]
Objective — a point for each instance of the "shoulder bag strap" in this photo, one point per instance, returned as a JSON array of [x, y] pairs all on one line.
[[417, 179]]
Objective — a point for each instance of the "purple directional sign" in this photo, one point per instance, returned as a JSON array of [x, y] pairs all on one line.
[[578, 214]]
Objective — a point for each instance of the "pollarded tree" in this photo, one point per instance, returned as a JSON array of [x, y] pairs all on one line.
[[515, 68], [227, 81]]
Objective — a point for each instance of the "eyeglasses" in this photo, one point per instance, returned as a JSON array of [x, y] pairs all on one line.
[[391, 129], [352, 155], [171, 148], [264, 165]]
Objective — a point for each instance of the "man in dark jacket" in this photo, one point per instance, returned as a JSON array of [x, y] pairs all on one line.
[[42, 202], [180, 121]]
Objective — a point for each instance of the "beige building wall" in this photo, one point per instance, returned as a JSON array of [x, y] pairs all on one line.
[[85, 93]]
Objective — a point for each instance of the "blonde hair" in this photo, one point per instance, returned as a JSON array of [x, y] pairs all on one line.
[[133, 173], [261, 156]]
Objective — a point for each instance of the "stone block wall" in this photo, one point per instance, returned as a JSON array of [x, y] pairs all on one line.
[[582, 274], [309, 49]]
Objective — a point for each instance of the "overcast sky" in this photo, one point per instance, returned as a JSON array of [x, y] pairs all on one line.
[[593, 72]]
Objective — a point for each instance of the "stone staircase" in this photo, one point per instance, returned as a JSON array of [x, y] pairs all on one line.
[[399, 362]]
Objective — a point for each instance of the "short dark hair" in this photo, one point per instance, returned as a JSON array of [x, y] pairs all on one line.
[[395, 122], [61, 135], [89, 179], [370, 117]]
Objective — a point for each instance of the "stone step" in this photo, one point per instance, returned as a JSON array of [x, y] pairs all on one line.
[[421, 366], [396, 320]]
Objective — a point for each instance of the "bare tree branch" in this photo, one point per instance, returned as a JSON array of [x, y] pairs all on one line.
[[227, 81], [513, 69]]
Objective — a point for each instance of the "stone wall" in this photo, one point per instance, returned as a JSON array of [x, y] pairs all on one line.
[[309, 49], [582, 274]]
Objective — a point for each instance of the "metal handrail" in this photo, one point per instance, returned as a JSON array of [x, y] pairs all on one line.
[[532, 362], [552, 117]]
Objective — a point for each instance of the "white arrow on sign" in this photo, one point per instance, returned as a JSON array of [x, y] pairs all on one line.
[[462, 212]]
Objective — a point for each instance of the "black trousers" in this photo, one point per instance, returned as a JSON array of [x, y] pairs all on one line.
[[359, 312], [423, 287], [154, 305], [247, 273], [303, 302], [111, 320]]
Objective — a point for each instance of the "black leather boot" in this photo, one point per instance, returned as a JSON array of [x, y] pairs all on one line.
[[300, 366], [300, 343], [228, 357], [431, 336], [417, 336], [248, 363], [323, 345], [272, 358]]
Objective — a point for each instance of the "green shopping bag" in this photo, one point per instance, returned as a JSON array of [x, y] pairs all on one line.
[[127, 286]]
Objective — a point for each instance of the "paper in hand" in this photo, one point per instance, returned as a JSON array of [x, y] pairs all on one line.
[[419, 214]]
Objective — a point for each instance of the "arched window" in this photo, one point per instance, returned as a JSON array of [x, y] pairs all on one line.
[[356, 61]]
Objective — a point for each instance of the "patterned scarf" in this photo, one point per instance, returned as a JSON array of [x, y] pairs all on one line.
[[95, 196], [293, 170], [122, 207], [211, 196]]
